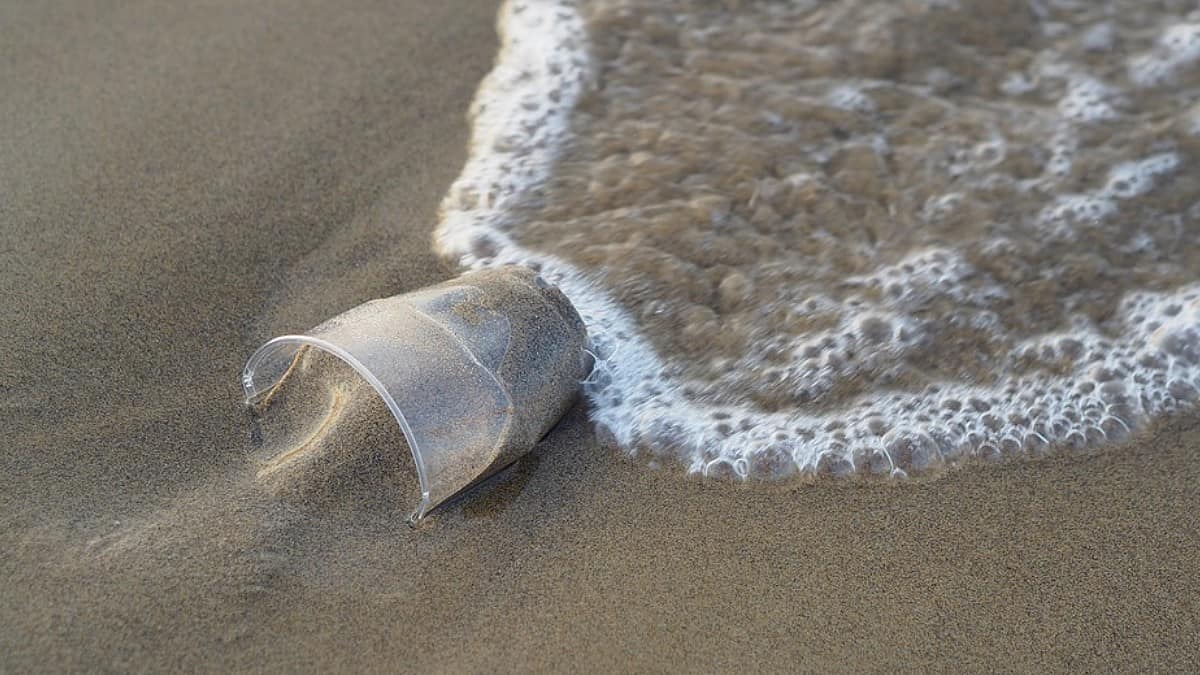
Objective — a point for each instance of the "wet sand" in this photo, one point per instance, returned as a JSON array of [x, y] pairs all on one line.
[[181, 183]]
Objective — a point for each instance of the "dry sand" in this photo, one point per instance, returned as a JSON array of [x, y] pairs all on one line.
[[180, 182]]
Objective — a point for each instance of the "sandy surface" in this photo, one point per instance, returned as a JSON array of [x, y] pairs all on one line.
[[181, 182]]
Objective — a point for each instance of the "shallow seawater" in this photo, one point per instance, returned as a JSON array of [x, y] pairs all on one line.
[[853, 237]]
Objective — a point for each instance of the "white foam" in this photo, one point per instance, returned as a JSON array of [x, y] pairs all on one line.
[[519, 120], [1110, 379], [1125, 181], [1134, 179], [1063, 146], [1099, 38], [1193, 121], [847, 97], [1178, 48], [1087, 99], [1017, 84]]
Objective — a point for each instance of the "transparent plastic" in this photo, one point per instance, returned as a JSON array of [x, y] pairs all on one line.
[[475, 370]]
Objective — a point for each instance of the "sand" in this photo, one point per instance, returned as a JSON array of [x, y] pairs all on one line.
[[182, 182]]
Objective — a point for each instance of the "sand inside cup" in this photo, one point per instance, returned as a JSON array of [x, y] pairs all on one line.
[[327, 436], [545, 360]]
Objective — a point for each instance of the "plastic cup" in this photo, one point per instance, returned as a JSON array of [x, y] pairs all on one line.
[[475, 370]]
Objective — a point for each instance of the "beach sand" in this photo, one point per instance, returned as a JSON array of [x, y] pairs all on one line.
[[183, 182]]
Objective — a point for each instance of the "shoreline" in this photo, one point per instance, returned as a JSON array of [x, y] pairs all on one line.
[[157, 239]]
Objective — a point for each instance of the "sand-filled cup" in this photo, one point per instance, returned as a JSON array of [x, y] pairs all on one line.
[[475, 370]]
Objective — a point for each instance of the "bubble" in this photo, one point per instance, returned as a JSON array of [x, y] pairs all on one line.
[[1182, 390], [850, 98], [877, 426], [1182, 344], [1133, 179], [914, 452], [835, 464], [1178, 48], [1087, 100], [726, 468], [773, 462], [879, 463], [1099, 38]]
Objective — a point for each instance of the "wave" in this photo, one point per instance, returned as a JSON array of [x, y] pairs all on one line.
[[850, 239]]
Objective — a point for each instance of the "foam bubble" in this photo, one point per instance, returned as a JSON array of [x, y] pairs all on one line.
[[1087, 99], [1099, 38], [1127, 180], [1134, 179], [848, 97], [1178, 48]]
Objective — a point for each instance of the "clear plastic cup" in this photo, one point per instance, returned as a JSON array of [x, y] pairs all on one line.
[[475, 370]]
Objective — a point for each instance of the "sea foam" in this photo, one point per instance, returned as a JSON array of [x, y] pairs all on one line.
[[652, 159]]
